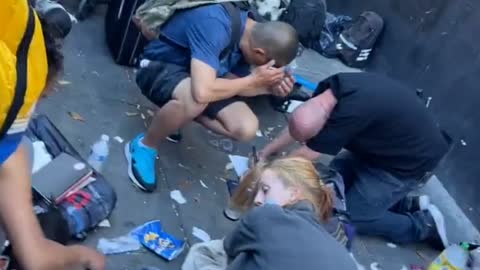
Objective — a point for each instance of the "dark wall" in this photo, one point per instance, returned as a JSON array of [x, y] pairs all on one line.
[[434, 45]]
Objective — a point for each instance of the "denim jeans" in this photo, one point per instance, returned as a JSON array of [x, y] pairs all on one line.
[[371, 197]]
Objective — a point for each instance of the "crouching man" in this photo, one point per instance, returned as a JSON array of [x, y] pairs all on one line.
[[392, 144], [190, 77]]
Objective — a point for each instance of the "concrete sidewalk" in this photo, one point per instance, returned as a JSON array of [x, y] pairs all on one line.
[[103, 93]]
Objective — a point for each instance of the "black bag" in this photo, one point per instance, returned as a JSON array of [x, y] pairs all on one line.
[[356, 42], [123, 37], [334, 26], [85, 209], [308, 18]]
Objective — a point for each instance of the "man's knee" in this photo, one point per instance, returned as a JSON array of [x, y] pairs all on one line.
[[244, 130]]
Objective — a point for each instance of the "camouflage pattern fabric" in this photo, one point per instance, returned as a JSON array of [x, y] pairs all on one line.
[[153, 13]]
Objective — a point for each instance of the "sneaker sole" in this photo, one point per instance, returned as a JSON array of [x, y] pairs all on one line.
[[440, 223], [231, 214], [172, 140], [130, 170]]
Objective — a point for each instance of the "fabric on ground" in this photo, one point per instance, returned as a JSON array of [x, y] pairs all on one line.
[[206, 256]]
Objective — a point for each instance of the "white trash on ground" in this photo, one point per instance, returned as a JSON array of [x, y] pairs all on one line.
[[105, 224], [391, 245], [375, 266], [240, 164], [118, 139], [177, 196], [203, 184], [201, 234], [118, 245]]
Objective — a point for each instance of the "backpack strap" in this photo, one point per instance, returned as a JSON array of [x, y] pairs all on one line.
[[236, 26], [21, 68]]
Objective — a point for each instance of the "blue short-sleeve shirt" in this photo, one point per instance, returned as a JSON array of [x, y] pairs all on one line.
[[201, 33], [8, 146]]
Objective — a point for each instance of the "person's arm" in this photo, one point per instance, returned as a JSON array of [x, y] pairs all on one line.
[[206, 87], [305, 152], [33, 250], [281, 89], [277, 145]]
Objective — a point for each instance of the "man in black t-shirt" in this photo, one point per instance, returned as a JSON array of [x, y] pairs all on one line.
[[392, 144]]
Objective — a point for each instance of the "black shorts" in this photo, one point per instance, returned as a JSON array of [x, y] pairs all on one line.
[[159, 80]]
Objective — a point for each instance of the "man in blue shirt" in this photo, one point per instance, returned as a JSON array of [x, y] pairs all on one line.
[[189, 78]]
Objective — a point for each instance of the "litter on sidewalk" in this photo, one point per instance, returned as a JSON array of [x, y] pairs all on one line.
[[240, 164], [153, 237], [105, 224], [118, 139], [391, 245], [122, 244], [203, 184], [201, 234], [177, 196]]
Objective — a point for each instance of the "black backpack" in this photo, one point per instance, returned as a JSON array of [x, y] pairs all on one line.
[[308, 18], [356, 42]]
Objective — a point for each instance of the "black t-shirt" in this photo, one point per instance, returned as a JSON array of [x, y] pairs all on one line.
[[381, 121]]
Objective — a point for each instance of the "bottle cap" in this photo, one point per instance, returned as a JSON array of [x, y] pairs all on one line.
[[105, 138]]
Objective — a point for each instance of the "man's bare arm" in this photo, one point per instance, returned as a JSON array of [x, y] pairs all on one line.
[[251, 92], [277, 145], [23, 230], [206, 87], [305, 152]]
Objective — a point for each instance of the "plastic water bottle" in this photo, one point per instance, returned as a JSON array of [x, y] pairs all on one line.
[[99, 153], [292, 67], [475, 256], [454, 257]]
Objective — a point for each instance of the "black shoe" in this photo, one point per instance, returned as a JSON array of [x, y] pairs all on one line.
[[175, 138], [436, 230], [412, 204], [231, 213]]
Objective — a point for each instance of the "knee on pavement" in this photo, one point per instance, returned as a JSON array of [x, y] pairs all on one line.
[[244, 130]]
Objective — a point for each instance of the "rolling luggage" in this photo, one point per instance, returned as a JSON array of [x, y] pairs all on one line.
[[124, 39]]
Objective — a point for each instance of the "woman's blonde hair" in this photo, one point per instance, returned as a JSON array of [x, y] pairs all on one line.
[[294, 172]]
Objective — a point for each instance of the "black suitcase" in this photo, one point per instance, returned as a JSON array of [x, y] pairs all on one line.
[[123, 38]]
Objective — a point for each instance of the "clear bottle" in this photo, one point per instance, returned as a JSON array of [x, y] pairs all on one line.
[[455, 257], [475, 256], [99, 153]]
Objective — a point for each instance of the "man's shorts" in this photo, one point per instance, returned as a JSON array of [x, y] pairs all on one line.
[[159, 80]]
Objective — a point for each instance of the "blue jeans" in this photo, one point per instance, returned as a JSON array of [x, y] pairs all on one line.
[[371, 196]]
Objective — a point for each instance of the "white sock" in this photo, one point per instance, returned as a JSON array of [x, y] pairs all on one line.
[[140, 142], [144, 63]]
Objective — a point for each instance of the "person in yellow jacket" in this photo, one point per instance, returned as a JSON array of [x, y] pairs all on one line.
[[29, 57]]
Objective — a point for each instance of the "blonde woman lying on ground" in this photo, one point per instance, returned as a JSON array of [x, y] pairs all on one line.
[[285, 228]]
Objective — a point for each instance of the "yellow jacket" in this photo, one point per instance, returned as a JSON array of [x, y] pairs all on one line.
[[13, 22]]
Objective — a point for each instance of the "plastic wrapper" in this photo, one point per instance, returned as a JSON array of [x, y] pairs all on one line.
[[122, 244], [152, 236]]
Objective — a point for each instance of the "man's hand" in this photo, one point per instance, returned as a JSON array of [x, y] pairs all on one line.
[[285, 87], [30, 246], [93, 259], [276, 146], [56, 256], [267, 76]]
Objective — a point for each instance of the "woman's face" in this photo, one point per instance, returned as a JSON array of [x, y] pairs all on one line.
[[272, 190]]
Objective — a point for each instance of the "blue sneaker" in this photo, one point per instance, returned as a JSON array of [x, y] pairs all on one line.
[[141, 164]]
